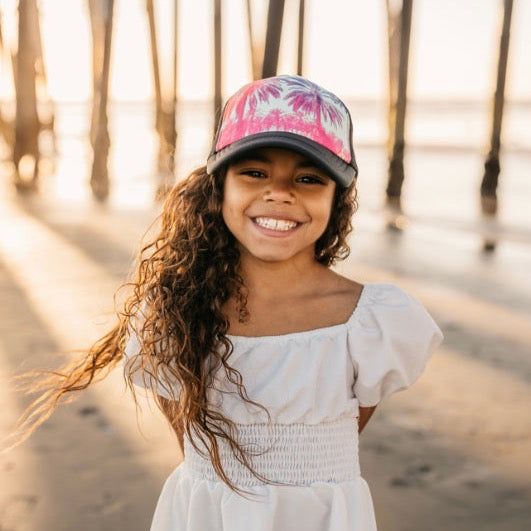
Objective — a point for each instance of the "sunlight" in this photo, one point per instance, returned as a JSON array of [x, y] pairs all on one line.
[[452, 55], [74, 308]]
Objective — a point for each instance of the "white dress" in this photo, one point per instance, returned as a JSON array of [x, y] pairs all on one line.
[[312, 384]]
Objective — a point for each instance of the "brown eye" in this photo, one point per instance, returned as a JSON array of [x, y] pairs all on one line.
[[311, 179], [257, 174]]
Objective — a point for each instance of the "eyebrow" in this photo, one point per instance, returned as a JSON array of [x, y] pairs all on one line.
[[255, 156]]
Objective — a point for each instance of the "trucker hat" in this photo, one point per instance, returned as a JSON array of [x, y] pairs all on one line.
[[287, 112]]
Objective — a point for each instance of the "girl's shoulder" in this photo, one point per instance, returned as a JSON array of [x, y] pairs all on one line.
[[350, 299], [384, 295], [390, 307]]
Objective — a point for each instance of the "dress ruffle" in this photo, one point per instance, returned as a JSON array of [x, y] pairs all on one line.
[[199, 505]]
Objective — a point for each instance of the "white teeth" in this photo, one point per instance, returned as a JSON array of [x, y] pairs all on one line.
[[275, 224]]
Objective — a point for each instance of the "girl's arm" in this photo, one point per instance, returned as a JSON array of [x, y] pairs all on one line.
[[365, 415], [169, 408]]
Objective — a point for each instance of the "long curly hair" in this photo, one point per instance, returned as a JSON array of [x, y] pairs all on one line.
[[185, 275]]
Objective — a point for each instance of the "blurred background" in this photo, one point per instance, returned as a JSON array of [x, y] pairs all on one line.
[[105, 104]]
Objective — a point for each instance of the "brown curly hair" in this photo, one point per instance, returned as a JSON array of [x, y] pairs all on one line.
[[185, 275]]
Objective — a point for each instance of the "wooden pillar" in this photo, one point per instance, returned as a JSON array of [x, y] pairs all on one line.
[[47, 116], [175, 85], [26, 153], [101, 18], [6, 130], [489, 183], [150, 8], [274, 30], [300, 40], [165, 104], [217, 62], [399, 14], [7, 127], [172, 118], [255, 52]]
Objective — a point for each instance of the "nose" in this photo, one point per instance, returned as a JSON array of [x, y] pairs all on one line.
[[279, 191]]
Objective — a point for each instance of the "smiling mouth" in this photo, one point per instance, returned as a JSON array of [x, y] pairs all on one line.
[[276, 224]]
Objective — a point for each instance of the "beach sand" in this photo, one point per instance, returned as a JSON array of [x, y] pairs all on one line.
[[453, 452]]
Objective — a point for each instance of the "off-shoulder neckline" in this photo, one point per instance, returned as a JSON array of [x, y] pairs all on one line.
[[363, 298]]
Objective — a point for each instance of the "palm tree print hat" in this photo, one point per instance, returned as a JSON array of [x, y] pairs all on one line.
[[288, 112]]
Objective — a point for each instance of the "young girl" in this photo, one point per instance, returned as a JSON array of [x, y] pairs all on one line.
[[265, 361]]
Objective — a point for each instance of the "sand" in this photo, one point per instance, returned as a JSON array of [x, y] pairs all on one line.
[[453, 452]]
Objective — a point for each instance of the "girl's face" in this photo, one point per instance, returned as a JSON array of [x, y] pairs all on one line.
[[277, 204]]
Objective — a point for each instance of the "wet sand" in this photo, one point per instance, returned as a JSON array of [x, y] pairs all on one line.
[[450, 453]]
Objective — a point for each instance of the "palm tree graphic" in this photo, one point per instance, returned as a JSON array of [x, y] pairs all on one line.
[[251, 95], [307, 98]]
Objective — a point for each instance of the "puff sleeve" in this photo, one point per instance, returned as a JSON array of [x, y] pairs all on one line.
[[393, 340], [132, 364]]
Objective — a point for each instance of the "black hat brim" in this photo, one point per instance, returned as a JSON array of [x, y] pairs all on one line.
[[343, 173]]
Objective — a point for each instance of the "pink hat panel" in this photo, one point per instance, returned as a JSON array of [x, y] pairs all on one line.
[[289, 104]]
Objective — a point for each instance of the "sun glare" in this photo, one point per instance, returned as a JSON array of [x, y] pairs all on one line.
[[453, 50]]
